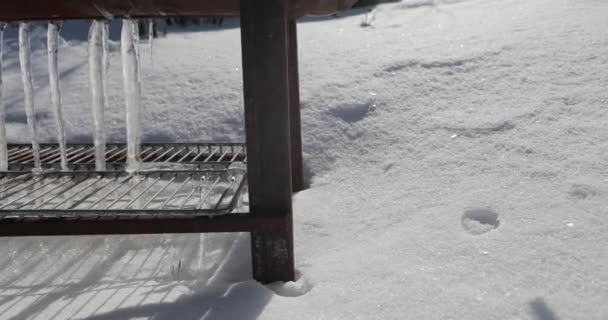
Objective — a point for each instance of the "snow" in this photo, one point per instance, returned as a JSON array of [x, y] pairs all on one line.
[[457, 154]]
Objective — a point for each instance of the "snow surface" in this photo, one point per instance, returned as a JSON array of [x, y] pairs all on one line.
[[457, 152]]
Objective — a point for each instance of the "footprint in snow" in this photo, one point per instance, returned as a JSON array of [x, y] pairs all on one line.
[[352, 113], [292, 289], [479, 220], [581, 191]]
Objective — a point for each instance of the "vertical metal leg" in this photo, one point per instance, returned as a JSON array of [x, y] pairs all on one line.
[[297, 163], [264, 39]]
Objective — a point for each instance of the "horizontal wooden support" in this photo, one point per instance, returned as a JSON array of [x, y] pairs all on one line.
[[158, 225], [27, 10]]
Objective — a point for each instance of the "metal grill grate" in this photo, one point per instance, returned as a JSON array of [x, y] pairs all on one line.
[[84, 194], [83, 155]]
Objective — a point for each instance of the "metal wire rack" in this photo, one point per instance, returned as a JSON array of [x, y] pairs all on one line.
[[273, 131], [84, 194], [82, 156]]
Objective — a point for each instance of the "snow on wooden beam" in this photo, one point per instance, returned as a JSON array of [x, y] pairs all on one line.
[[26, 10]]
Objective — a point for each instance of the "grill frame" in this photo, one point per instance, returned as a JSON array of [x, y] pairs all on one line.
[[99, 187], [81, 156], [273, 131]]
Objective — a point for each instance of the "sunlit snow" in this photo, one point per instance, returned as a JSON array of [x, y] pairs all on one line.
[[456, 152]]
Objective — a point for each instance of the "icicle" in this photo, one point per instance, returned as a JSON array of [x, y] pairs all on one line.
[[132, 87], [96, 74], [3, 145], [28, 87], [136, 42], [105, 34], [151, 39], [52, 49]]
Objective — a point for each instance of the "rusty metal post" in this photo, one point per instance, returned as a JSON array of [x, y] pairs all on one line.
[[264, 40], [297, 162]]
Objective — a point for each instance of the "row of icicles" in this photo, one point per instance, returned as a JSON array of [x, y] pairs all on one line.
[[98, 45]]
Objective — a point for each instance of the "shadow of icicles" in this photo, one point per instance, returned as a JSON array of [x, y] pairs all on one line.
[[154, 277], [541, 311]]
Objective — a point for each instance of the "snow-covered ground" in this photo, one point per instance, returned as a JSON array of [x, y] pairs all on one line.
[[458, 152]]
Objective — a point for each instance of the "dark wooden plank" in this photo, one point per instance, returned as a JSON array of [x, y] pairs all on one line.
[[80, 227], [20, 10], [13, 10], [297, 162], [266, 96], [272, 253], [264, 39]]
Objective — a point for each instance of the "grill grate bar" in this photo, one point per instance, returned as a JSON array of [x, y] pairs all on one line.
[[108, 152], [15, 185], [187, 199], [17, 152], [219, 201], [78, 153], [27, 193], [223, 155], [186, 156], [159, 192], [54, 155], [125, 193], [120, 152], [236, 155], [75, 194], [151, 154], [210, 155], [83, 155], [142, 193], [163, 154], [87, 154], [109, 192], [28, 155], [204, 198], [43, 153], [144, 151], [16, 178], [200, 154], [45, 193], [102, 194], [177, 153], [175, 192], [60, 193]]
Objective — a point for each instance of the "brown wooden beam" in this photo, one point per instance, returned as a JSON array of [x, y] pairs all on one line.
[[264, 40], [297, 162], [79, 227], [25, 10]]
